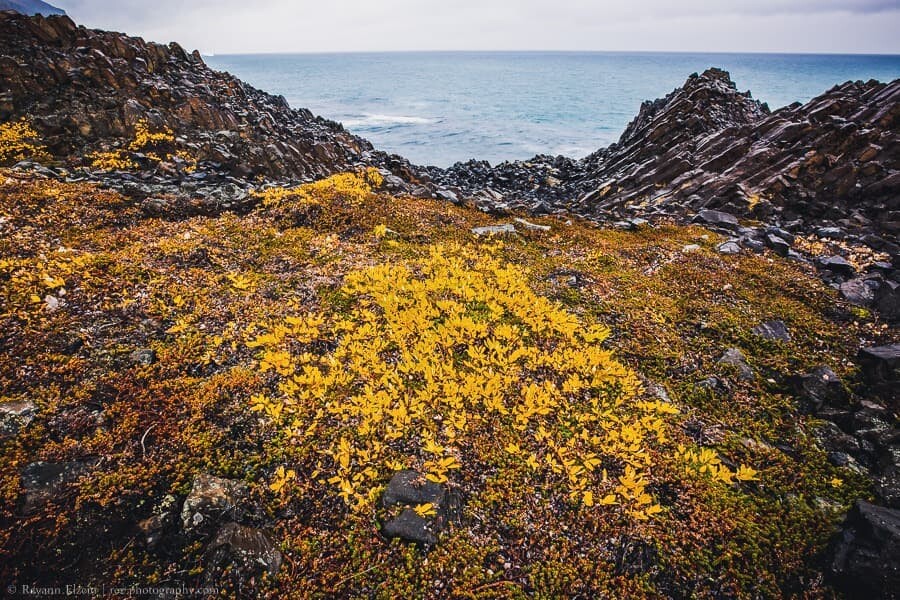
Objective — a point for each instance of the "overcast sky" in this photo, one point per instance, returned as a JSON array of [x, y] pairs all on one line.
[[242, 26]]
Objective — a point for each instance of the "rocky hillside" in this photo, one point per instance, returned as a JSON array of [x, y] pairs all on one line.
[[85, 90]]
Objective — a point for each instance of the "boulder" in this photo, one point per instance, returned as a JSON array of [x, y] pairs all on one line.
[[409, 489], [880, 368], [779, 245], [836, 264], [887, 301], [729, 247], [717, 218], [859, 291], [865, 556]]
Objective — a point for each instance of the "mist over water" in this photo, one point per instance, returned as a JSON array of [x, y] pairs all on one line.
[[439, 108]]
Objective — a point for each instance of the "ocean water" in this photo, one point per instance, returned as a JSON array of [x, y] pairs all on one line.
[[437, 108]]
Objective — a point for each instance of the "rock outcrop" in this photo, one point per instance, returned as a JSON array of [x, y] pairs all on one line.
[[835, 159], [86, 89]]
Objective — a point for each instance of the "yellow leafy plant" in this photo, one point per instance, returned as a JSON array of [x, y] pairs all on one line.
[[452, 360], [19, 141]]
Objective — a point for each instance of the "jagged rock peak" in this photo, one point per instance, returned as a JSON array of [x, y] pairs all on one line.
[[707, 102]]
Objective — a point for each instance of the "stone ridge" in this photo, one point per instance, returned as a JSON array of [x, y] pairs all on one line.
[[834, 160], [84, 88]]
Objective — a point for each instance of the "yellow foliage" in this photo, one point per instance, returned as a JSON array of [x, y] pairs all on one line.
[[706, 461], [350, 188], [455, 355], [19, 141], [157, 146]]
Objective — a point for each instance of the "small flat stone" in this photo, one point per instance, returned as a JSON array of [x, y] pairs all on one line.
[[506, 228], [532, 226], [773, 330], [735, 358]]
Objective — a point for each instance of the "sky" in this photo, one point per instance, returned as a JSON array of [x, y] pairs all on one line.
[[242, 26]]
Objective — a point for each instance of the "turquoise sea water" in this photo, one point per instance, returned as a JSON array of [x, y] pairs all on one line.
[[441, 107]]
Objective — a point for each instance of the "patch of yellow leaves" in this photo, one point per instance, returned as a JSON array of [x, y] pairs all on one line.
[[453, 360]]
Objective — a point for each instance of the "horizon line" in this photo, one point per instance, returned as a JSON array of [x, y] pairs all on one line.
[[542, 51]]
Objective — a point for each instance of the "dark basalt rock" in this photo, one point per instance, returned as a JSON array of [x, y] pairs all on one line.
[[819, 388], [410, 527], [736, 359], [240, 555], [773, 330], [717, 217], [881, 371], [887, 300], [836, 264], [86, 89], [865, 557], [409, 489], [860, 291], [708, 147]]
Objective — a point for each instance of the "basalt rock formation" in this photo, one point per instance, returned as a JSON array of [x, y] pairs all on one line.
[[86, 89], [706, 145]]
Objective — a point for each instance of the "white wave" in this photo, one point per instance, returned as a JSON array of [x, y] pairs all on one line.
[[374, 120]]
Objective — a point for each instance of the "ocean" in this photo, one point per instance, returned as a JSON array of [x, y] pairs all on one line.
[[437, 108]]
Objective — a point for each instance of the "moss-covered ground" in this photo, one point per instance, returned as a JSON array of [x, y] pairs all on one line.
[[317, 344]]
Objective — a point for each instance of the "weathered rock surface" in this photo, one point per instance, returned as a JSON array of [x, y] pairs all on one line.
[[86, 89], [735, 358], [210, 500], [819, 388], [773, 330], [707, 147], [865, 560], [410, 489], [15, 416], [42, 482], [881, 369], [242, 551]]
